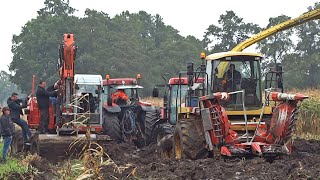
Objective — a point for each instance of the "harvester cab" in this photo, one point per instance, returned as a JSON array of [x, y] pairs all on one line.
[[125, 116]]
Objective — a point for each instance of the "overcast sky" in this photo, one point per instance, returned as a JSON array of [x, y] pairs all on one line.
[[190, 17]]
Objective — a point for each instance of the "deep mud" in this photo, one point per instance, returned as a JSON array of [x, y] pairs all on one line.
[[303, 164], [145, 164]]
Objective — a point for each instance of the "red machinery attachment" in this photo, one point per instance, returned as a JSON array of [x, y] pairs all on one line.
[[273, 141]]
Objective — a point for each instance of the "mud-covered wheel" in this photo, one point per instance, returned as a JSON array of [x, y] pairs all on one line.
[[17, 142], [189, 139], [165, 141], [150, 121], [111, 126]]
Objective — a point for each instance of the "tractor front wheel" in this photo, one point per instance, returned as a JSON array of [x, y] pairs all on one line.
[[111, 126], [164, 135], [150, 120], [189, 140]]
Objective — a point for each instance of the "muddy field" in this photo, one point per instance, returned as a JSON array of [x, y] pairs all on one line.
[[303, 164], [144, 164]]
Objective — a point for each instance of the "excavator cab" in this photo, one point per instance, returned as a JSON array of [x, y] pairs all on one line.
[[88, 98]]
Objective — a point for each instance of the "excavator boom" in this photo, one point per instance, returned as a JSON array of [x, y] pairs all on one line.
[[309, 16]]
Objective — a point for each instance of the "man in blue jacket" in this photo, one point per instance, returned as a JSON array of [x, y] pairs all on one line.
[[6, 131], [16, 106]]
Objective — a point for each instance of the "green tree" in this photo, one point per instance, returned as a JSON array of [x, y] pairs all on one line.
[[303, 66], [35, 49], [276, 46], [230, 31], [6, 87], [123, 46]]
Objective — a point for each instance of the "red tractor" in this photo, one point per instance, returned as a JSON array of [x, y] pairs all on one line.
[[176, 100], [127, 119]]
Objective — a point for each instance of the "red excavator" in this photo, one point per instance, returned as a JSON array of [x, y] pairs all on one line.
[[76, 110]]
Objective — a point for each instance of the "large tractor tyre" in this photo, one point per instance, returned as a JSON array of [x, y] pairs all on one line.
[[165, 141], [111, 126], [150, 121], [189, 140], [17, 143]]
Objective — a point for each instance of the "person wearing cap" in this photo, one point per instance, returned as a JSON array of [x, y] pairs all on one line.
[[16, 105], [43, 103], [6, 131]]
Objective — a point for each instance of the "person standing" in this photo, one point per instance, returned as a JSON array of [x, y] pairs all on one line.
[[43, 103], [16, 110], [6, 131]]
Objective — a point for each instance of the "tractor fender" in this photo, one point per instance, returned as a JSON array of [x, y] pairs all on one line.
[[112, 109], [147, 107]]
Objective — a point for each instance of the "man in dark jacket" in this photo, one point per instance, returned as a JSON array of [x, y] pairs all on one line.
[[43, 103], [16, 106], [6, 131]]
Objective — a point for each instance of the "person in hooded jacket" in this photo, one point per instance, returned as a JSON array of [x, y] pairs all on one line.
[[16, 105], [6, 131]]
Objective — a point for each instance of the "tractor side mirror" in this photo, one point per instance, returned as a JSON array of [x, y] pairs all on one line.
[[155, 92]]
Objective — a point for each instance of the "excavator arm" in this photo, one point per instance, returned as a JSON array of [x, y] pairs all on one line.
[[309, 16], [67, 53]]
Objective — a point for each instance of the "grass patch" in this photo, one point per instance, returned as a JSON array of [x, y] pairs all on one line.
[[12, 166]]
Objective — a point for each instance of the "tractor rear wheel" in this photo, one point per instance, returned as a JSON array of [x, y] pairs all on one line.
[[111, 126], [189, 140], [165, 140], [150, 120]]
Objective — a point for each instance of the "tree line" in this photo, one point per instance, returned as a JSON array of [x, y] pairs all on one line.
[[132, 43]]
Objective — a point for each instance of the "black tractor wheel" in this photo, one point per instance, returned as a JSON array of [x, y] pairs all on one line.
[[17, 143], [165, 141], [189, 140], [150, 121], [111, 126]]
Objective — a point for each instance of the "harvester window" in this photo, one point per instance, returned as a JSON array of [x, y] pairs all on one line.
[[250, 73]]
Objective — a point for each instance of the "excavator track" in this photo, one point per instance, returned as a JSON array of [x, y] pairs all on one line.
[[57, 148]]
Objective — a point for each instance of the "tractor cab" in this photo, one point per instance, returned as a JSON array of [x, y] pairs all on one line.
[[121, 91], [236, 71], [181, 97]]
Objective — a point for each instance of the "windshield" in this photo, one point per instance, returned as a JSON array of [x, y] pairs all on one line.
[[87, 98], [175, 100], [130, 92], [230, 76]]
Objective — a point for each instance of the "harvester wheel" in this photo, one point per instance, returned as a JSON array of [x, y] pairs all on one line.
[[189, 140], [111, 126], [165, 141], [150, 121], [17, 142]]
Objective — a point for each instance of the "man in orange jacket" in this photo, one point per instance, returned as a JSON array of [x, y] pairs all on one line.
[[119, 97]]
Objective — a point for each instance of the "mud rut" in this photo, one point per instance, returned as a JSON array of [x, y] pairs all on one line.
[[303, 164]]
